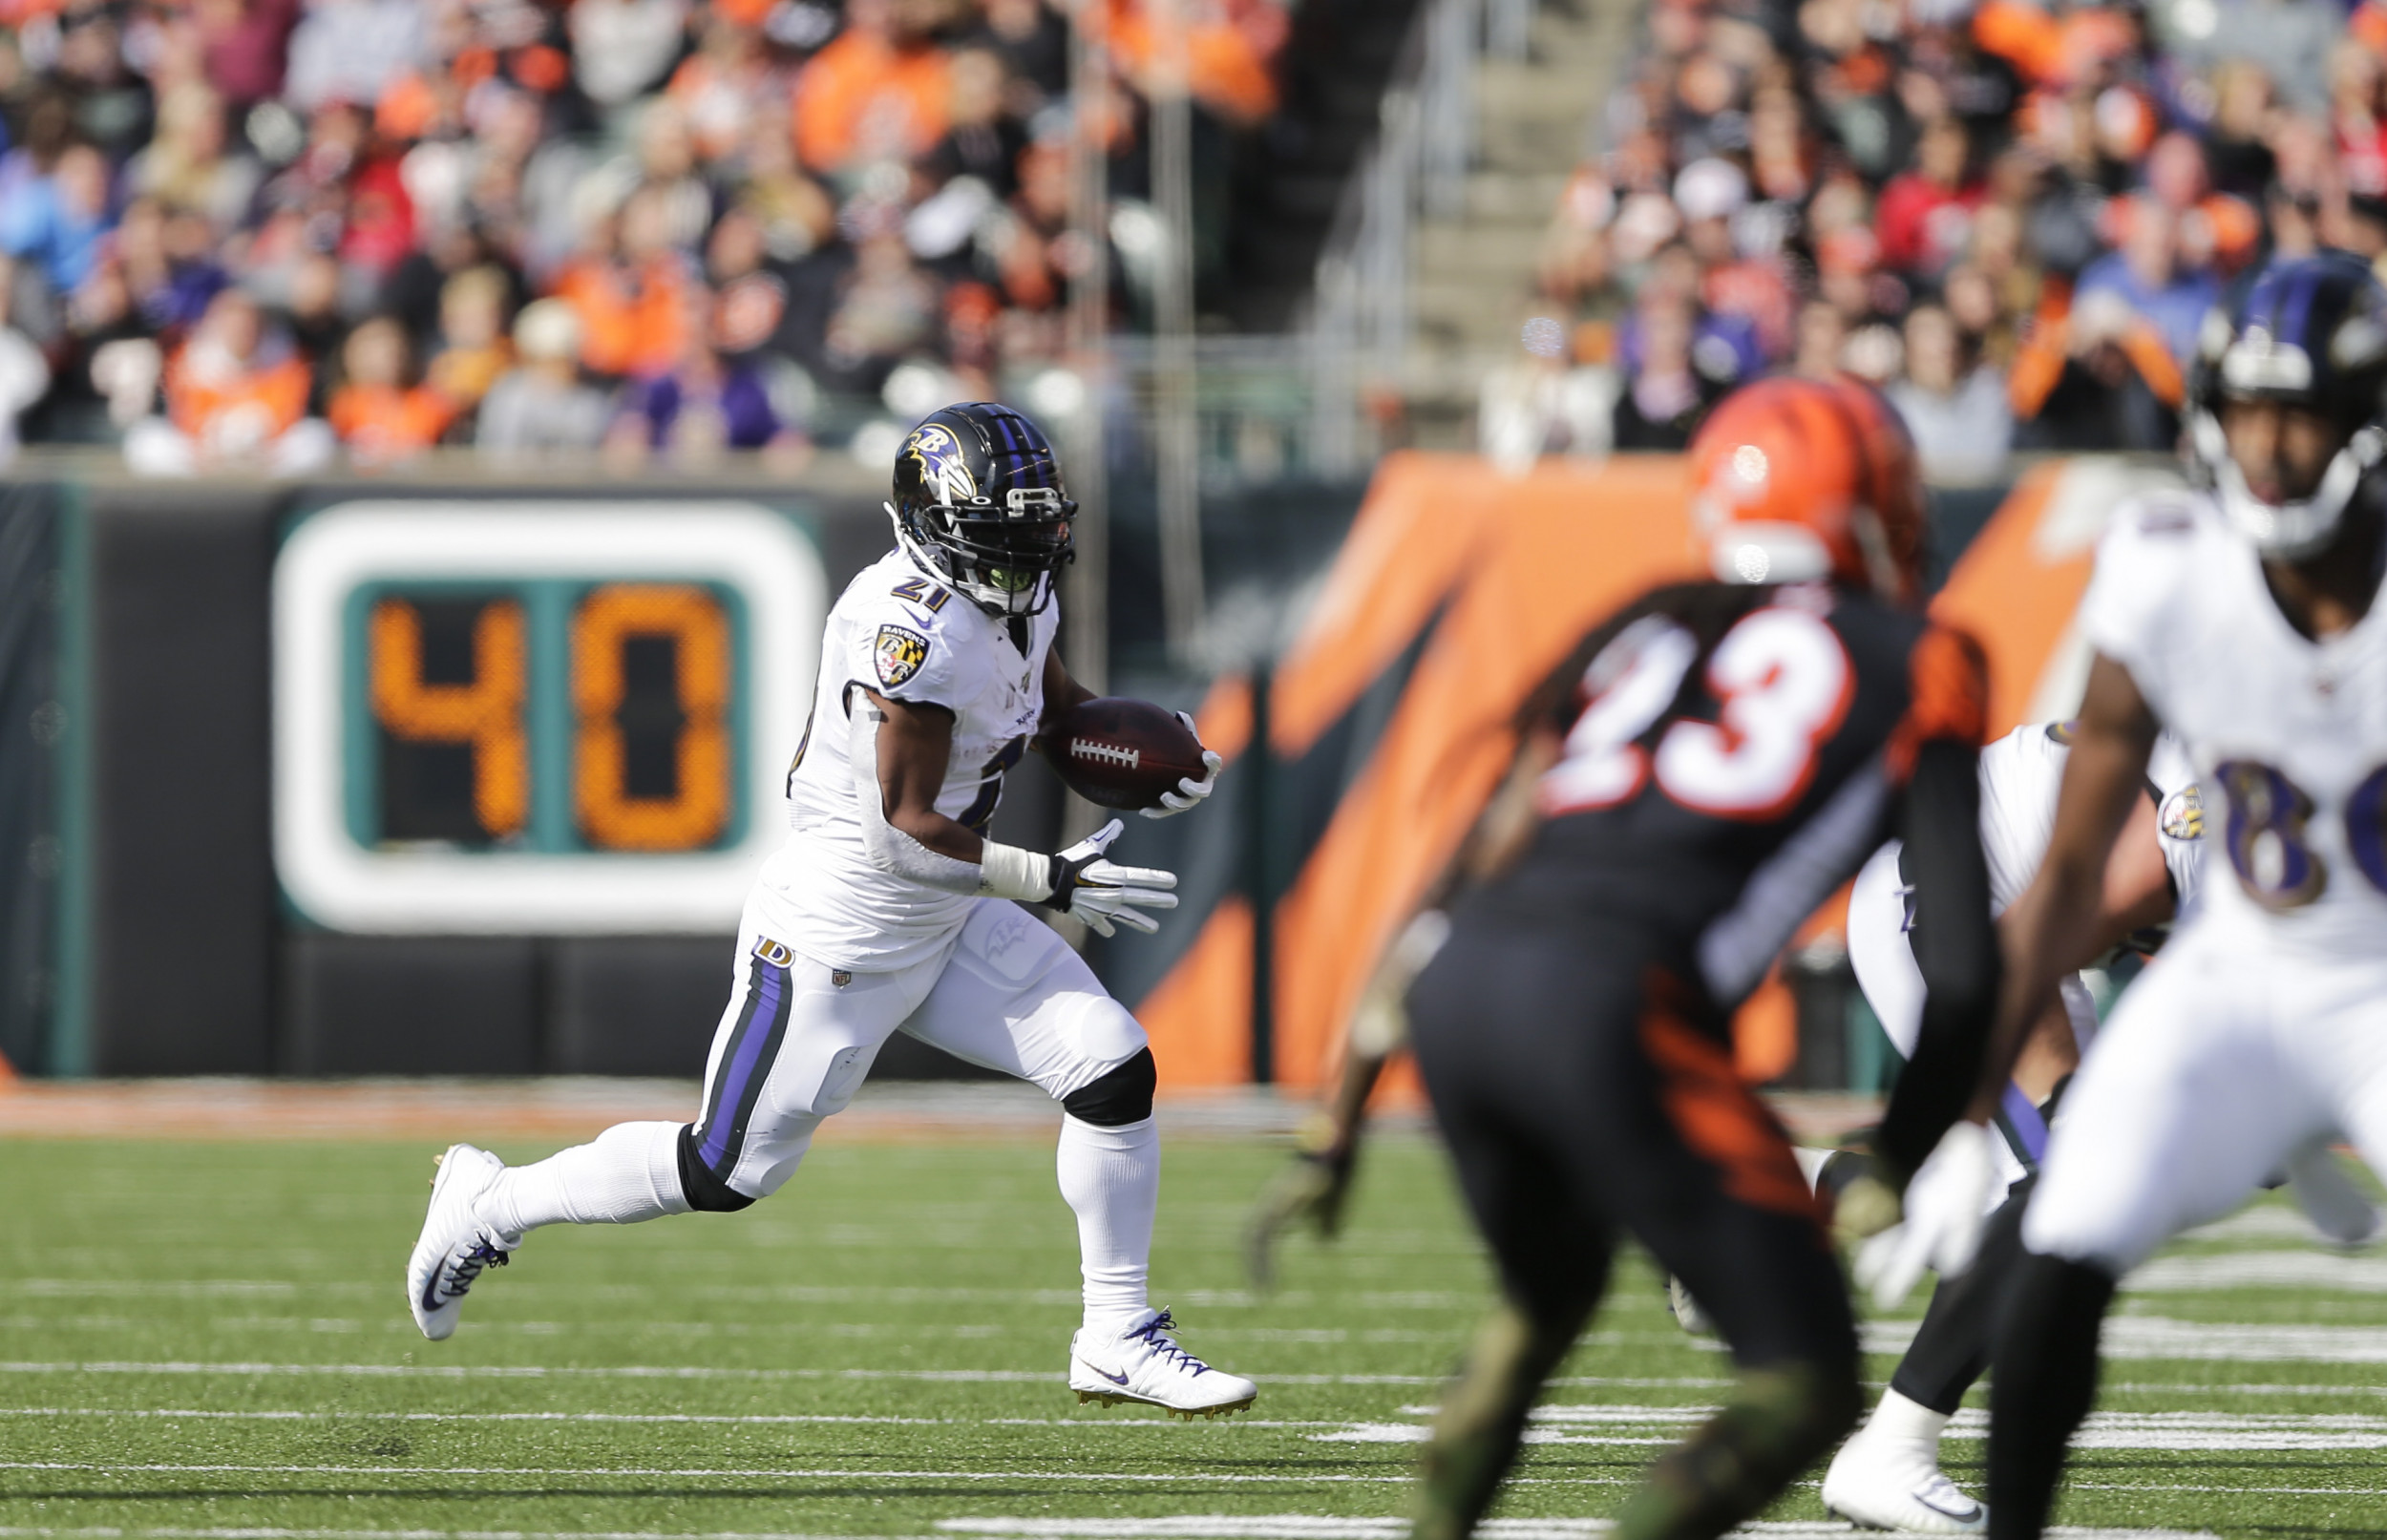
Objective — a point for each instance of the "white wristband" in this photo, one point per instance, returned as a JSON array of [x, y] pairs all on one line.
[[1009, 872]]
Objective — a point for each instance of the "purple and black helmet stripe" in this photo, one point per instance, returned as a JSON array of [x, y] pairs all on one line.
[[744, 1066]]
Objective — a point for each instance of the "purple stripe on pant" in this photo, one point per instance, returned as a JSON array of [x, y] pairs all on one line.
[[738, 1076]]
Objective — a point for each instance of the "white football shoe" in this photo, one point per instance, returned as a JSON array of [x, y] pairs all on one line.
[[455, 1247], [1883, 1481], [1144, 1364]]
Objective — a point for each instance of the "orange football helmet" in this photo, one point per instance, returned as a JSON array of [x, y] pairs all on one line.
[[1795, 480]]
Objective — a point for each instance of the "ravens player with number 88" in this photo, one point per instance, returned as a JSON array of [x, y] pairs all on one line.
[[1713, 761], [2246, 621], [889, 909]]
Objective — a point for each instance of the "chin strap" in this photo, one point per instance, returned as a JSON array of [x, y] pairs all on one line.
[[2291, 530]]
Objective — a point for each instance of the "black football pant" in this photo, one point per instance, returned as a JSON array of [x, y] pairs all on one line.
[[1583, 1091], [1951, 1348]]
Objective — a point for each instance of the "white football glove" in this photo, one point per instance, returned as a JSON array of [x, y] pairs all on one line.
[[2339, 1210], [1099, 894], [1947, 1207], [1190, 791]]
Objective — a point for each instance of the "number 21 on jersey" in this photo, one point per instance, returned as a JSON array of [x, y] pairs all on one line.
[[1782, 682]]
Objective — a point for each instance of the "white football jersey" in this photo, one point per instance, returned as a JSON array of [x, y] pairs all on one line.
[[2289, 735], [2020, 774], [909, 638]]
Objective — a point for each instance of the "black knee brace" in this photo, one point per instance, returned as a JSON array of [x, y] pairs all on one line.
[[706, 1193], [1123, 1095]]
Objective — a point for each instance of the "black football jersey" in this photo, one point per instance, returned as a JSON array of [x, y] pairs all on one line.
[[1732, 754]]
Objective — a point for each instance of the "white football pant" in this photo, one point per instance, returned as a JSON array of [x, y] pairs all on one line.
[[2227, 1057], [799, 1036]]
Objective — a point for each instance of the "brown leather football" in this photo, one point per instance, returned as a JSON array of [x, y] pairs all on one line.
[[1121, 753]]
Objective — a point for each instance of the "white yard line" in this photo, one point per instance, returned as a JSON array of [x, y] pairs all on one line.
[[2157, 1337], [1237, 1478], [2204, 1271], [538, 1371], [2186, 1431], [1100, 1425], [1303, 1526]]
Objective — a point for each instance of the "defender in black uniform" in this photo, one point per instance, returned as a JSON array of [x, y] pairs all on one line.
[[1709, 767]]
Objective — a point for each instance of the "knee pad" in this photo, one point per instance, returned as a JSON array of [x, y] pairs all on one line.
[[706, 1193], [1121, 1096]]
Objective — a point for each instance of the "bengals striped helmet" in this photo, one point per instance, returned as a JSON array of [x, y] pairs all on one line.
[[1793, 480]]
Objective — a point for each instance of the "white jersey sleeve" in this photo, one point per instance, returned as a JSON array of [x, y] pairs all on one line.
[[2020, 773]]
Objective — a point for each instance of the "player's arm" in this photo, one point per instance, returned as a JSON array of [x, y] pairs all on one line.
[[2049, 927], [1955, 949], [915, 749], [901, 751], [1061, 693], [2138, 891]]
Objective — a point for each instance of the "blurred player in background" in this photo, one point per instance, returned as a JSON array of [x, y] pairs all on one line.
[[1709, 766], [2244, 621], [889, 909], [1888, 1475]]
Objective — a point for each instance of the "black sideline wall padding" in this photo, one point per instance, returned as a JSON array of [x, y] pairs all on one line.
[[412, 1006], [32, 723], [183, 913], [636, 1006]]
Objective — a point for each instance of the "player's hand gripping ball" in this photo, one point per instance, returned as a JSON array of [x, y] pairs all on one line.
[[1132, 755]]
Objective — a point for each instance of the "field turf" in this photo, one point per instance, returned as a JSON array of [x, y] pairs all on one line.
[[209, 1339]]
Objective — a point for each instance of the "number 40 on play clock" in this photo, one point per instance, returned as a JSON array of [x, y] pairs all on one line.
[[536, 717]]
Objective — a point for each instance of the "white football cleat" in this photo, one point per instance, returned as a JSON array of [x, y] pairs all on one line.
[[1144, 1364], [1891, 1483], [455, 1247]]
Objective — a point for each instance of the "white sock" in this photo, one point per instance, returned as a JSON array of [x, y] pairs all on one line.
[[630, 1172], [1899, 1418], [1110, 1178]]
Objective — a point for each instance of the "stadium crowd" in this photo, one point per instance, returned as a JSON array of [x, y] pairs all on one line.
[[2011, 216], [263, 233]]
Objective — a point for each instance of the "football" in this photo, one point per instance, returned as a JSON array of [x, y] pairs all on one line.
[[1122, 754]]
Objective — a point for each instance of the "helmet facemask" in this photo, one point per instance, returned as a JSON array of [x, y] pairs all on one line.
[[1002, 560]]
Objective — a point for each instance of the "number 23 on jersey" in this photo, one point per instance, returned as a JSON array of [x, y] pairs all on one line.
[[1782, 681]]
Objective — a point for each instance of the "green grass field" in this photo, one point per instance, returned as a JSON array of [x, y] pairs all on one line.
[[210, 1340]]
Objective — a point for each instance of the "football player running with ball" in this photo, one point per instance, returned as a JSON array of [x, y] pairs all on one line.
[[889, 909], [1715, 760], [2245, 620]]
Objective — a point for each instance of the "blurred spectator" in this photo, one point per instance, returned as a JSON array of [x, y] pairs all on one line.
[[1667, 393], [877, 93], [236, 399], [350, 51], [1954, 407], [541, 405], [630, 287], [1925, 216], [474, 351], [2147, 276], [620, 48], [190, 167], [378, 414], [57, 222], [2097, 376], [701, 408], [246, 45]]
